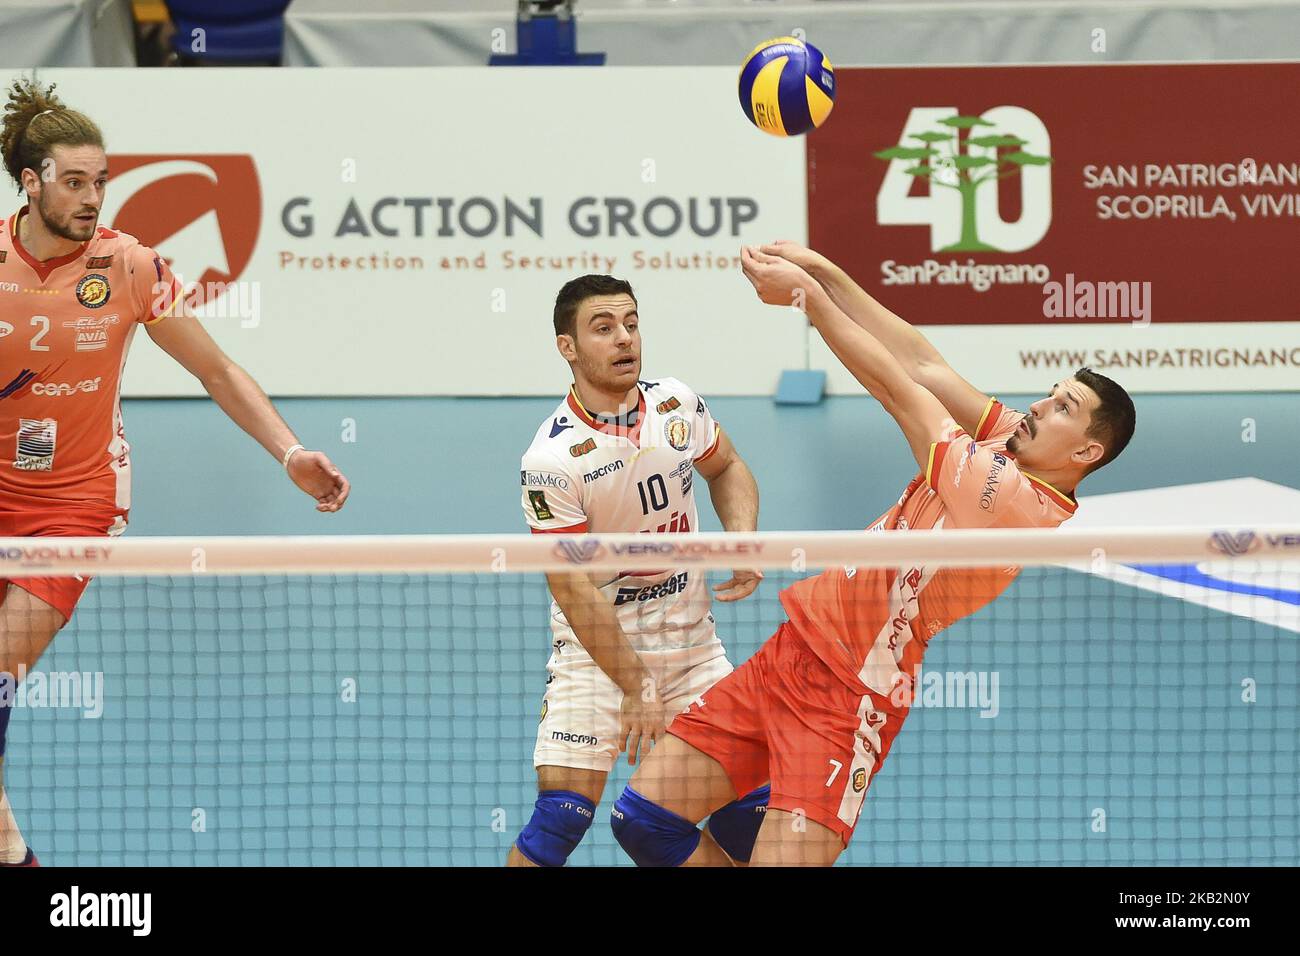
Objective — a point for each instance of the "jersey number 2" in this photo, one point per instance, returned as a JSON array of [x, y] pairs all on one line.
[[44, 322]]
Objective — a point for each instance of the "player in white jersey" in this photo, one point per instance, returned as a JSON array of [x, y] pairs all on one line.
[[632, 650]]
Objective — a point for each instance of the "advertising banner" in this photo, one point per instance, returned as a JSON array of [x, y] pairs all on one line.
[[405, 231], [1143, 220]]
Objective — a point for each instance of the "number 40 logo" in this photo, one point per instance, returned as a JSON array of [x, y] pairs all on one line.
[[966, 159]]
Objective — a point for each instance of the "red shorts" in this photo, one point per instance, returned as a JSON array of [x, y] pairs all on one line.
[[61, 593], [784, 716]]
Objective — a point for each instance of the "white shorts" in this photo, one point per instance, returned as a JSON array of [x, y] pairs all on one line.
[[580, 712]]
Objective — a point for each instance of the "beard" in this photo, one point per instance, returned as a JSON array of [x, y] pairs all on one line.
[[601, 375], [69, 228], [1015, 443]]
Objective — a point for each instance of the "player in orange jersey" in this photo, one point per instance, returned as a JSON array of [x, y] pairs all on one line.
[[72, 294], [816, 709]]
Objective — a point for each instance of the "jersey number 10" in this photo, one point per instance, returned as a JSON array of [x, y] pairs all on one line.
[[657, 499]]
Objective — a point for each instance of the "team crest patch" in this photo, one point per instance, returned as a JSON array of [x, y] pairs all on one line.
[[93, 291], [677, 431], [859, 780]]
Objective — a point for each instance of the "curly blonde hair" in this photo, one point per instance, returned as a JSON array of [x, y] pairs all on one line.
[[35, 121]]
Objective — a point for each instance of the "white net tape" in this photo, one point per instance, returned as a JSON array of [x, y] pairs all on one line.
[[1082, 548]]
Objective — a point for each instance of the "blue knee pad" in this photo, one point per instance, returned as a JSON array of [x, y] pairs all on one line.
[[735, 826], [651, 835], [560, 818]]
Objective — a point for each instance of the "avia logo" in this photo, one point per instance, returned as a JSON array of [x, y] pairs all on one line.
[[201, 213], [579, 552], [966, 160], [1238, 543]]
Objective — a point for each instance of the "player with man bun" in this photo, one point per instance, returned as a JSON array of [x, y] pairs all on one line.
[[72, 294]]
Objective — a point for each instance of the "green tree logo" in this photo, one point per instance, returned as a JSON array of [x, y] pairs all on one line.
[[955, 168]]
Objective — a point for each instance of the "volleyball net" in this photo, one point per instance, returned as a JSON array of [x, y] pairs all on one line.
[[1132, 698]]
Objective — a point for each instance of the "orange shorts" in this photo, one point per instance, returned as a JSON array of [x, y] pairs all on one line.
[[61, 593], [784, 716]]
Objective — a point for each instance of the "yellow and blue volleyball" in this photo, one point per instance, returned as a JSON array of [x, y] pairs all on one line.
[[787, 87]]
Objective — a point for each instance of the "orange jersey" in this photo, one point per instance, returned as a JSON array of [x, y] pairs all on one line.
[[65, 327], [871, 625]]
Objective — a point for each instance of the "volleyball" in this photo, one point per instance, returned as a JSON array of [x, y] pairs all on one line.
[[786, 87]]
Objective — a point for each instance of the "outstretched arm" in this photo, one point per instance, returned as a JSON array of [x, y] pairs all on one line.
[[183, 338], [919, 414], [913, 351]]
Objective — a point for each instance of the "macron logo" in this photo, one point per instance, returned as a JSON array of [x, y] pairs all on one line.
[[102, 909], [558, 425]]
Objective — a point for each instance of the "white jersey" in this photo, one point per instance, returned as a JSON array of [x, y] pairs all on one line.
[[580, 474]]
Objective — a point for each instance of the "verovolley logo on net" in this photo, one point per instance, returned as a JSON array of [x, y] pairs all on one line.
[[77, 909], [688, 550], [55, 690], [579, 552], [36, 556], [1238, 543], [1234, 543]]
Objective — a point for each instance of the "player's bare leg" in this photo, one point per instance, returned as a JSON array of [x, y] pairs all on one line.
[[589, 783], [689, 783], [791, 839], [27, 625]]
